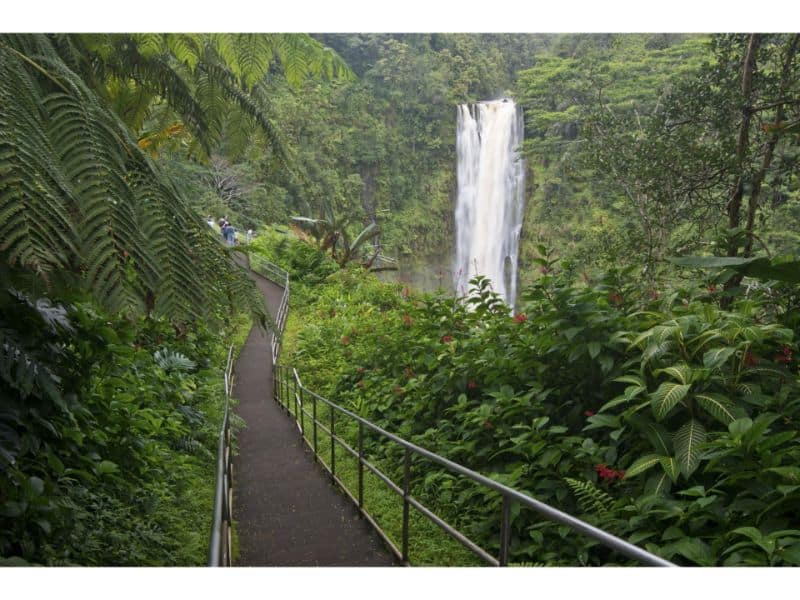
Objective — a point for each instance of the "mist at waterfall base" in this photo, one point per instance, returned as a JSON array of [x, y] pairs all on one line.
[[488, 214]]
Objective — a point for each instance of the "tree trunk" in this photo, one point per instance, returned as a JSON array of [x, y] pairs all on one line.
[[735, 202], [775, 134]]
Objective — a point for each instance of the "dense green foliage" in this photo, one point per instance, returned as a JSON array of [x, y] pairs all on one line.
[[653, 413], [108, 434], [117, 304]]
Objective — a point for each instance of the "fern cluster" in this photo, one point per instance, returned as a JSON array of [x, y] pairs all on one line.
[[82, 205]]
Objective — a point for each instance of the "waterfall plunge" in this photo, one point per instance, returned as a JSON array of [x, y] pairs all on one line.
[[490, 196]]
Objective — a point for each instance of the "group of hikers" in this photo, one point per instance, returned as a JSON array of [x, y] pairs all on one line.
[[230, 235]]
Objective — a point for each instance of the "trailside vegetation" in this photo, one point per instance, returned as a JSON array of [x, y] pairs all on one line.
[[656, 413], [117, 303]]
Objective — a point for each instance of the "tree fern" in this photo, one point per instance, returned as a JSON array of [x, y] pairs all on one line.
[[78, 196]]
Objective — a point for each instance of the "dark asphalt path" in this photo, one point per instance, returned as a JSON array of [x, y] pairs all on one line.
[[286, 510]]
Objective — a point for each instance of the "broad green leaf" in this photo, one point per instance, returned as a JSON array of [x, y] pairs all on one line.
[[740, 426], [687, 441], [593, 348], [670, 466], [791, 473], [634, 379], [599, 420], [630, 393], [641, 465], [694, 549], [716, 357], [666, 397], [659, 437], [717, 406], [106, 466], [766, 544], [682, 372]]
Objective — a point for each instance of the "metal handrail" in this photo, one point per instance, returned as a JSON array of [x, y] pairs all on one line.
[[219, 554], [283, 388], [279, 277]]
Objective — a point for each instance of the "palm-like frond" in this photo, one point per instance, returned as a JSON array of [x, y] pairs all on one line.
[[78, 195]]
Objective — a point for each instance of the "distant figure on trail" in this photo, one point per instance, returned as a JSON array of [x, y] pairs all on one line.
[[229, 234], [249, 237]]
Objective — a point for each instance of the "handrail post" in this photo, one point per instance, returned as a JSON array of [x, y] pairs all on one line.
[[360, 464], [300, 401], [286, 391], [294, 395], [406, 487], [314, 412], [333, 444], [505, 531]]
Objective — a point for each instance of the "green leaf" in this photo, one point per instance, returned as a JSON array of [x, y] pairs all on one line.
[[670, 466], [630, 393], [599, 420], [641, 465], [740, 426], [766, 544], [666, 397], [717, 406], [790, 473], [681, 372], [634, 379], [716, 357], [593, 348], [687, 441], [694, 549], [106, 466]]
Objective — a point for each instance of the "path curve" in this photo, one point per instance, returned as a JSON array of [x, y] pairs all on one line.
[[286, 510]]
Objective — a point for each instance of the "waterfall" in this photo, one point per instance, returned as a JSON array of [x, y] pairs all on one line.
[[490, 195]]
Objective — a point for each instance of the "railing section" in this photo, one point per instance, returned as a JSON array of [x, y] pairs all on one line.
[[294, 397], [219, 554], [279, 277]]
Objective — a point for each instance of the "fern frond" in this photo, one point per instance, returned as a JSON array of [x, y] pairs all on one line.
[[590, 498]]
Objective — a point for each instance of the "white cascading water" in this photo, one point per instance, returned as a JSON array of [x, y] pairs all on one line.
[[491, 179]]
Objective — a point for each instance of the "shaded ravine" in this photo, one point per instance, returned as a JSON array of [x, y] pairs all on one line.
[[286, 510]]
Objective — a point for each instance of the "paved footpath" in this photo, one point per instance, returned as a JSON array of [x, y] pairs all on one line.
[[287, 512]]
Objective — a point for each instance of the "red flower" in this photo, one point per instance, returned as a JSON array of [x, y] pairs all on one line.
[[615, 299], [398, 390], [446, 339], [487, 424], [471, 385], [521, 318], [653, 295], [750, 359], [589, 413], [608, 474], [407, 320], [406, 292], [544, 270], [345, 340], [711, 288]]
